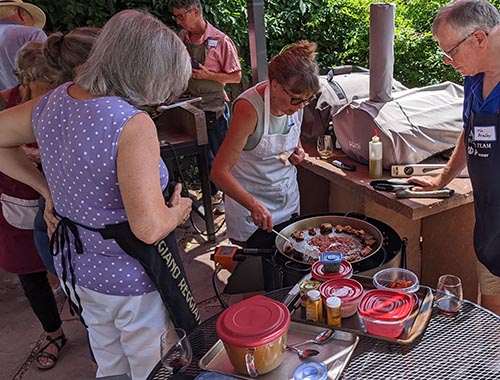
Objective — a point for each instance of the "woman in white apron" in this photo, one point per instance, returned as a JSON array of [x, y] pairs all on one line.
[[255, 164]]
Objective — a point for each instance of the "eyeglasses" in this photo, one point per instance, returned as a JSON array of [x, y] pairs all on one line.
[[180, 16], [449, 53], [297, 101]]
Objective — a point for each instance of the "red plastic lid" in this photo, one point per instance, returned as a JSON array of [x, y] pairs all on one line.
[[348, 290], [318, 273], [385, 305], [253, 322]]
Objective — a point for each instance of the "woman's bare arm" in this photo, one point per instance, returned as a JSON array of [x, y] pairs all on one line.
[[138, 176]]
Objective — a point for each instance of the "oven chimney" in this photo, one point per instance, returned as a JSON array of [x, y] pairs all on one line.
[[381, 51]]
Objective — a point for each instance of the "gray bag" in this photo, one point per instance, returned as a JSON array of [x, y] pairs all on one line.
[[417, 124]]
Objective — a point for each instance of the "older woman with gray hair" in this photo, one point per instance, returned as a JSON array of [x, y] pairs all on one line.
[[102, 162]]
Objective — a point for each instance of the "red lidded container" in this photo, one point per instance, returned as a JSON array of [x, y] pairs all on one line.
[[318, 272], [348, 290], [255, 327], [384, 312]]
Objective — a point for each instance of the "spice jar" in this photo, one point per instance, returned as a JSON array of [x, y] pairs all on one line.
[[314, 306], [333, 305], [305, 286]]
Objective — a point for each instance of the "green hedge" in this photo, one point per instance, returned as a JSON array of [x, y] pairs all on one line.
[[339, 27]]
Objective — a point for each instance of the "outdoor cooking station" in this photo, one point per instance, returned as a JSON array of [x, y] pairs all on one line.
[[439, 231], [182, 132]]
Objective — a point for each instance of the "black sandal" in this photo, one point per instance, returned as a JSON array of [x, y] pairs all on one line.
[[53, 358]]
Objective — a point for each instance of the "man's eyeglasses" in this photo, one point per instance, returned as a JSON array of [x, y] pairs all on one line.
[[298, 101], [451, 52], [180, 16]]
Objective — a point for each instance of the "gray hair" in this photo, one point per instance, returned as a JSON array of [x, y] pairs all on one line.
[[296, 67], [138, 58], [8, 10], [65, 52], [467, 16], [32, 66], [185, 4]]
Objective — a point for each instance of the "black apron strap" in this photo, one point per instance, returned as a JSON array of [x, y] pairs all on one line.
[[60, 238], [161, 261], [163, 264]]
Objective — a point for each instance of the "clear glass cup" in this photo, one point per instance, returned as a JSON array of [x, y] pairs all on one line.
[[449, 294], [325, 146], [176, 352]]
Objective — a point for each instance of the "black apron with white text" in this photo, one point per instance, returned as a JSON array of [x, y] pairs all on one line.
[[483, 159], [161, 261]]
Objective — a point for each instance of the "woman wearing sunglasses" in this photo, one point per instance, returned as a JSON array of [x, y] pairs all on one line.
[[255, 167]]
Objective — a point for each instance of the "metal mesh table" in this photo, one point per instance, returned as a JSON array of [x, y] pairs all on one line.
[[465, 347]]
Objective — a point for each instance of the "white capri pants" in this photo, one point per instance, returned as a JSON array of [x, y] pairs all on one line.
[[124, 331]]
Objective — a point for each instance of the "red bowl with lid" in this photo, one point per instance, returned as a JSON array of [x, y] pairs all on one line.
[[384, 312], [348, 290], [318, 271], [254, 333]]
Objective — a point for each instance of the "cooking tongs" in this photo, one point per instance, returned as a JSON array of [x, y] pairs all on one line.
[[403, 189]]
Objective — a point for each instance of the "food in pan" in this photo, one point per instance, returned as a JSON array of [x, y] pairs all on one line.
[[352, 243], [325, 228], [298, 235]]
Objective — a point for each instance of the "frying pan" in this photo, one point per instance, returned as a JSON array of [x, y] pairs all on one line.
[[314, 222]]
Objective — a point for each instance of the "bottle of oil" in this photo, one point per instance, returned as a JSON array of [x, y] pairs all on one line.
[[375, 156]]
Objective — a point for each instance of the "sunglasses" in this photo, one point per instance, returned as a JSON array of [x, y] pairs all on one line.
[[298, 101]]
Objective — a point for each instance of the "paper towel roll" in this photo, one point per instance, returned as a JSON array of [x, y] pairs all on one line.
[[381, 51]]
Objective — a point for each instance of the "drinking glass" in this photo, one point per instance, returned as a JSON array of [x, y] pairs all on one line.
[[325, 146], [449, 294], [176, 351]]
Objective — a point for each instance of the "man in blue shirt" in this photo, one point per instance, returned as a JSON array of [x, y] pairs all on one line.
[[19, 23], [468, 32]]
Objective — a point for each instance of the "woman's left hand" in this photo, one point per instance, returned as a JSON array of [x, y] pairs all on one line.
[[297, 156], [50, 216]]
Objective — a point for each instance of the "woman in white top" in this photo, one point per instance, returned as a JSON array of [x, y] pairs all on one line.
[[255, 164]]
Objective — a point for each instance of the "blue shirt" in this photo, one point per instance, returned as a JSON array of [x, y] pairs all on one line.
[[12, 37], [473, 86]]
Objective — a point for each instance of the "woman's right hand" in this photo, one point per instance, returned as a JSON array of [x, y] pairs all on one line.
[[261, 216], [183, 204]]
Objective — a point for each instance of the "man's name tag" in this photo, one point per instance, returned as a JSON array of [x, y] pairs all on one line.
[[485, 133], [212, 43]]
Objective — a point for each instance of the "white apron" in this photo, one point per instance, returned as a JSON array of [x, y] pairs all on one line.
[[268, 179]]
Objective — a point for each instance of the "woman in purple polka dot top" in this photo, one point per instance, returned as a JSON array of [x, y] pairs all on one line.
[[102, 163]]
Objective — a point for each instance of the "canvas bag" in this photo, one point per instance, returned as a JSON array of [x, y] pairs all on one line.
[[415, 125]]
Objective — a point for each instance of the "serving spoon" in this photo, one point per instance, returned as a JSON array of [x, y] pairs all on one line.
[[323, 337], [303, 354]]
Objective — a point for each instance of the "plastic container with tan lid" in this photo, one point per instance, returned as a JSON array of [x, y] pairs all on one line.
[[254, 333]]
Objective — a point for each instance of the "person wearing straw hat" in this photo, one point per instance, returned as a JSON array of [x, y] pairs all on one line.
[[19, 23]]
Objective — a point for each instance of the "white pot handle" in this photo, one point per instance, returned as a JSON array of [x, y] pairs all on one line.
[[250, 363]]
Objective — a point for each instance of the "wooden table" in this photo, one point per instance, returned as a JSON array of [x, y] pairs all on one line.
[[439, 231]]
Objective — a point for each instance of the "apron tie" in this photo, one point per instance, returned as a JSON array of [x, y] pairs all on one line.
[[60, 238]]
